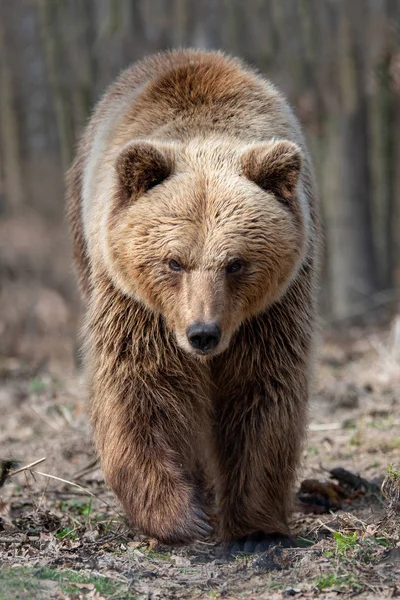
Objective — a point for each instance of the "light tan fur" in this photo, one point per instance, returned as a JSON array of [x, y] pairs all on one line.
[[193, 160]]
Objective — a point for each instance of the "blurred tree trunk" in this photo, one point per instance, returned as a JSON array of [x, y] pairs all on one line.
[[54, 55], [383, 108], [10, 153], [393, 132], [350, 237]]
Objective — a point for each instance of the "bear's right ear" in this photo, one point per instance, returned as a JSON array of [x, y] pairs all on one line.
[[141, 166]]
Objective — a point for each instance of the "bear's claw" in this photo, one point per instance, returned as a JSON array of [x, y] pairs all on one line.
[[202, 526], [260, 542], [201, 514]]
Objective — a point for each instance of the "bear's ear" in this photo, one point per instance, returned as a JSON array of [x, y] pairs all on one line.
[[141, 166], [274, 166]]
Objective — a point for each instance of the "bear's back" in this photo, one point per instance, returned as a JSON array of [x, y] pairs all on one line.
[[186, 93]]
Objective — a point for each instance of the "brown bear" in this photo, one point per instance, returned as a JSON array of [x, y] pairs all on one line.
[[195, 226]]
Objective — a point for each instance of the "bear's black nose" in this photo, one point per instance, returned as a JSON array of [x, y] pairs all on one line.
[[203, 336]]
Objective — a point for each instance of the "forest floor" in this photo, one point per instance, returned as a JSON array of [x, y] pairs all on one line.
[[68, 539]]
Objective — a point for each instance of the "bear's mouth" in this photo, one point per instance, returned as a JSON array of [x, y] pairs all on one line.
[[205, 355]]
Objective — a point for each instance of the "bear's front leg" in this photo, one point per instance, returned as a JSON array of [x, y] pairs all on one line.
[[259, 437], [146, 420], [260, 421], [150, 477]]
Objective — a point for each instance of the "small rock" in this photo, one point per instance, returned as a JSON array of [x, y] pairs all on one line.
[[91, 536], [181, 561], [220, 561], [393, 555], [272, 560]]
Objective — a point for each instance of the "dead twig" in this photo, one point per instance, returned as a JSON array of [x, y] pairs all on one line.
[[89, 468], [325, 426], [13, 540], [324, 526], [80, 487], [27, 467]]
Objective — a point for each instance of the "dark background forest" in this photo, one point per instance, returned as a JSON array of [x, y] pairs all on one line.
[[338, 62]]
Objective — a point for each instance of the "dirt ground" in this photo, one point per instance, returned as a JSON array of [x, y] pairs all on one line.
[[68, 539]]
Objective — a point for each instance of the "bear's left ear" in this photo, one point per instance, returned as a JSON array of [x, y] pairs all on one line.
[[143, 165], [274, 166]]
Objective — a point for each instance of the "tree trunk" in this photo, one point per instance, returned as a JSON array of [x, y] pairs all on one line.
[[352, 260], [13, 192]]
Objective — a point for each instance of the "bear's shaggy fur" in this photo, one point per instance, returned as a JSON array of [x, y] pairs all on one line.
[[192, 203]]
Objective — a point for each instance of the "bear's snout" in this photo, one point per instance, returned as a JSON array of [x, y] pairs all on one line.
[[203, 336]]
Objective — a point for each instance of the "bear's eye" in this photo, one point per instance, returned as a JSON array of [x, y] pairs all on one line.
[[175, 266], [235, 267]]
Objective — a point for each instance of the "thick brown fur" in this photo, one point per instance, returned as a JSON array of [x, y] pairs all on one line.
[[193, 156]]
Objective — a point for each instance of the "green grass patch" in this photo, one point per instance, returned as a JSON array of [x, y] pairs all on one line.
[[28, 583], [19, 583], [153, 555], [393, 474], [345, 541], [322, 582], [67, 578], [338, 582], [37, 386], [80, 507], [67, 532]]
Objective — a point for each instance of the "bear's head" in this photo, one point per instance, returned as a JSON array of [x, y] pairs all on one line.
[[208, 233]]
